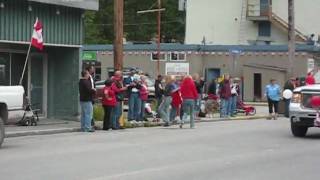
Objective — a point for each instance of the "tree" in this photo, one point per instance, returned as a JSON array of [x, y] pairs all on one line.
[[137, 27]]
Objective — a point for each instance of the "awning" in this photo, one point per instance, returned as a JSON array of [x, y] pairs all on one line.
[[82, 4]]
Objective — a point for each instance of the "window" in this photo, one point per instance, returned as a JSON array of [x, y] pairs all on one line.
[[4, 69], [163, 56], [177, 56], [265, 29]]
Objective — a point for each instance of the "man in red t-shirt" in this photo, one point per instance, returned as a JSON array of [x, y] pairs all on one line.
[[310, 79]]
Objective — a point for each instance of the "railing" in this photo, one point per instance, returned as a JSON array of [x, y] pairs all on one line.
[[285, 25]]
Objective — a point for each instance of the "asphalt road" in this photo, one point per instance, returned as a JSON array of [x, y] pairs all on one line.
[[237, 150]]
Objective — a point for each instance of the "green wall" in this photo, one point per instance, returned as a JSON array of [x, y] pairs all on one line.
[[16, 22], [63, 76]]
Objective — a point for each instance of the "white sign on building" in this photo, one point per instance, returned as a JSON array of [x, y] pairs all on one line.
[[178, 69]]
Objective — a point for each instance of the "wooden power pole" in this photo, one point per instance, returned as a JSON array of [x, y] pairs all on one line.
[[118, 35], [158, 30], [291, 37]]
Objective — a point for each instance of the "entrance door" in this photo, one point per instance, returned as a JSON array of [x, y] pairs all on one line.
[[257, 89], [212, 74], [36, 82]]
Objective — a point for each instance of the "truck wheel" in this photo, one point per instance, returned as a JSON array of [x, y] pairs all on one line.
[[298, 131], [1, 131]]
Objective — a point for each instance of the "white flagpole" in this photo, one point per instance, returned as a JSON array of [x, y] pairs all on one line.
[[25, 64]]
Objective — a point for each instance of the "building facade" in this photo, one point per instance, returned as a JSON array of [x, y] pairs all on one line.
[[256, 65], [51, 78], [253, 22]]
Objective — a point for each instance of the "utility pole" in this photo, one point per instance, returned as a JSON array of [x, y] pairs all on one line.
[[118, 35], [159, 37], [291, 37], [158, 30]]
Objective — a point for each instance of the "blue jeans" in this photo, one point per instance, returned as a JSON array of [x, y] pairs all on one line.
[[86, 115], [143, 109], [134, 106], [225, 107], [117, 112], [173, 113], [287, 104], [164, 109], [234, 100], [188, 106]]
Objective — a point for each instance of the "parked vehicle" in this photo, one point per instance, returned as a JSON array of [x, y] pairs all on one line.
[[302, 113], [100, 86], [11, 99]]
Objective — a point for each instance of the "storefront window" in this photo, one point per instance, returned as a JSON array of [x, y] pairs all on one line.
[[4, 69]]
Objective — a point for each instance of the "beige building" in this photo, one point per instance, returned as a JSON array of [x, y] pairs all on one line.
[[231, 22], [256, 65]]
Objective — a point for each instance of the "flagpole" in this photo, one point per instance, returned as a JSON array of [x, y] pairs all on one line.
[[25, 63]]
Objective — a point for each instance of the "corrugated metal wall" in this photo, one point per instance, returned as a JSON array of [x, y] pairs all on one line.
[[16, 22]]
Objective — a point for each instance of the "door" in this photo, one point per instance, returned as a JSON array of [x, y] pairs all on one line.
[[264, 7], [212, 73], [257, 89], [36, 82]]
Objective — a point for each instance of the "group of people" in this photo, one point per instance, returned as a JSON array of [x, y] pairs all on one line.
[[113, 94], [182, 95]]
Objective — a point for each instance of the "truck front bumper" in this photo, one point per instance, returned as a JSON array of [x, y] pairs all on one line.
[[302, 116]]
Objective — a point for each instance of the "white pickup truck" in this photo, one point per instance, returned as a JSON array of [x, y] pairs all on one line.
[[302, 114], [11, 99]]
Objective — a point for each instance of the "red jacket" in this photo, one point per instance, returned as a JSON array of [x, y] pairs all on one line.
[[176, 99], [109, 97], [188, 89], [144, 92], [310, 80]]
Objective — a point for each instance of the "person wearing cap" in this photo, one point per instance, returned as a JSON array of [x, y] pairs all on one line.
[[109, 102], [132, 82], [235, 92], [273, 93]]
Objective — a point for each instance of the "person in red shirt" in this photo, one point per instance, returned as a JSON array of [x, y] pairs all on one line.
[[176, 102], [144, 93], [109, 102], [189, 95], [310, 79]]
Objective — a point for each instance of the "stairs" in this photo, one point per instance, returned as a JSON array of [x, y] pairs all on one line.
[[283, 25], [242, 30]]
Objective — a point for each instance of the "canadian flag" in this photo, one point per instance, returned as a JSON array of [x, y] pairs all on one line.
[[37, 39]]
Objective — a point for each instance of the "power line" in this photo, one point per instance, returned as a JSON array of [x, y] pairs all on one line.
[[136, 24]]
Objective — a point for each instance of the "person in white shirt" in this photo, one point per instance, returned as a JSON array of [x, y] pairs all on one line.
[[91, 71]]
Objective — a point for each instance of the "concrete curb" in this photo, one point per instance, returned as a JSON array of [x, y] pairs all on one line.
[[70, 130], [235, 118], [41, 132]]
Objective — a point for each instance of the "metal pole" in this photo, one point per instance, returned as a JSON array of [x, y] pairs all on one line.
[[159, 37], [291, 37], [25, 64], [118, 39]]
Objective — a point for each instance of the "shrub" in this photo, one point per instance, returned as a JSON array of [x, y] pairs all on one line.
[[98, 112]]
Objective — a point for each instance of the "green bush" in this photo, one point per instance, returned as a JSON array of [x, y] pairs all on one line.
[[98, 112]]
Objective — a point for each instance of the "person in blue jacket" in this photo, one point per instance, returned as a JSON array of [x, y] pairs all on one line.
[[273, 94]]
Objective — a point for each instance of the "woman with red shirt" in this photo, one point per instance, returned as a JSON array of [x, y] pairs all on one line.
[[109, 102], [144, 93], [189, 95]]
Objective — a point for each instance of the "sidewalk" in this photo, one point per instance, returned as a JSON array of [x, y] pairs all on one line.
[[55, 126], [45, 126]]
